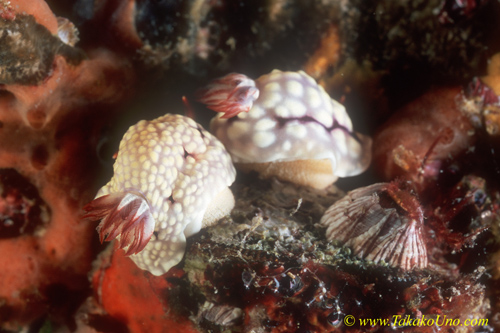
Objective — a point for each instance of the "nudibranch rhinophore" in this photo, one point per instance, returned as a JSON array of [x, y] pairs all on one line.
[[285, 125], [171, 178], [380, 222]]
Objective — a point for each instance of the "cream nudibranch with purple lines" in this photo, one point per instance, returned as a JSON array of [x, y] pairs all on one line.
[[171, 178], [285, 125]]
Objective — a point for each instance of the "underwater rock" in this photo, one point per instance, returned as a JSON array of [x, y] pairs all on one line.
[[201, 37], [273, 265], [268, 268], [411, 37], [422, 139], [51, 120]]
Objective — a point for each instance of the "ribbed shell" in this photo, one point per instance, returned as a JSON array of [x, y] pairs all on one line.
[[375, 232]]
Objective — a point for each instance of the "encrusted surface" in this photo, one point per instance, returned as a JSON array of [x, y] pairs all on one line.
[[28, 50], [22, 211], [269, 269], [411, 36]]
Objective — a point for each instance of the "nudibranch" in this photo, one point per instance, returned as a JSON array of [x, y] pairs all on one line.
[[380, 222], [285, 125], [171, 178]]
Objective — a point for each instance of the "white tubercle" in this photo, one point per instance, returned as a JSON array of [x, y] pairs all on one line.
[[293, 118], [168, 174]]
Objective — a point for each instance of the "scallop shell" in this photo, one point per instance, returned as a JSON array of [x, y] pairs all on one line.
[[380, 222]]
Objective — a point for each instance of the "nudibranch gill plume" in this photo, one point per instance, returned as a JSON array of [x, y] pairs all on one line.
[[171, 178], [285, 125]]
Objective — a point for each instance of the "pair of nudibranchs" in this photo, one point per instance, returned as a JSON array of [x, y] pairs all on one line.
[[172, 177]]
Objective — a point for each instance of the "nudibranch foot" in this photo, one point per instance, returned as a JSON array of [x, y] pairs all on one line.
[[231, 94], [314, 173], [293, 129], [220, 206], [125, 215], [171, 178]]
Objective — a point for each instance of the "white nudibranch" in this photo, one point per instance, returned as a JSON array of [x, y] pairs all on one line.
[[285, 125], [171, 178]]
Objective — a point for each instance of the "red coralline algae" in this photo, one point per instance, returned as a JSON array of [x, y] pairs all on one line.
[[133, 298], [419, 141], [49, 130], [22, 211], [38, 9]]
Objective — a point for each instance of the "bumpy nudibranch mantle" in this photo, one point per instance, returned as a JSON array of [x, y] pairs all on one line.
[[170, 179], [285, 117], [380, 222]]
